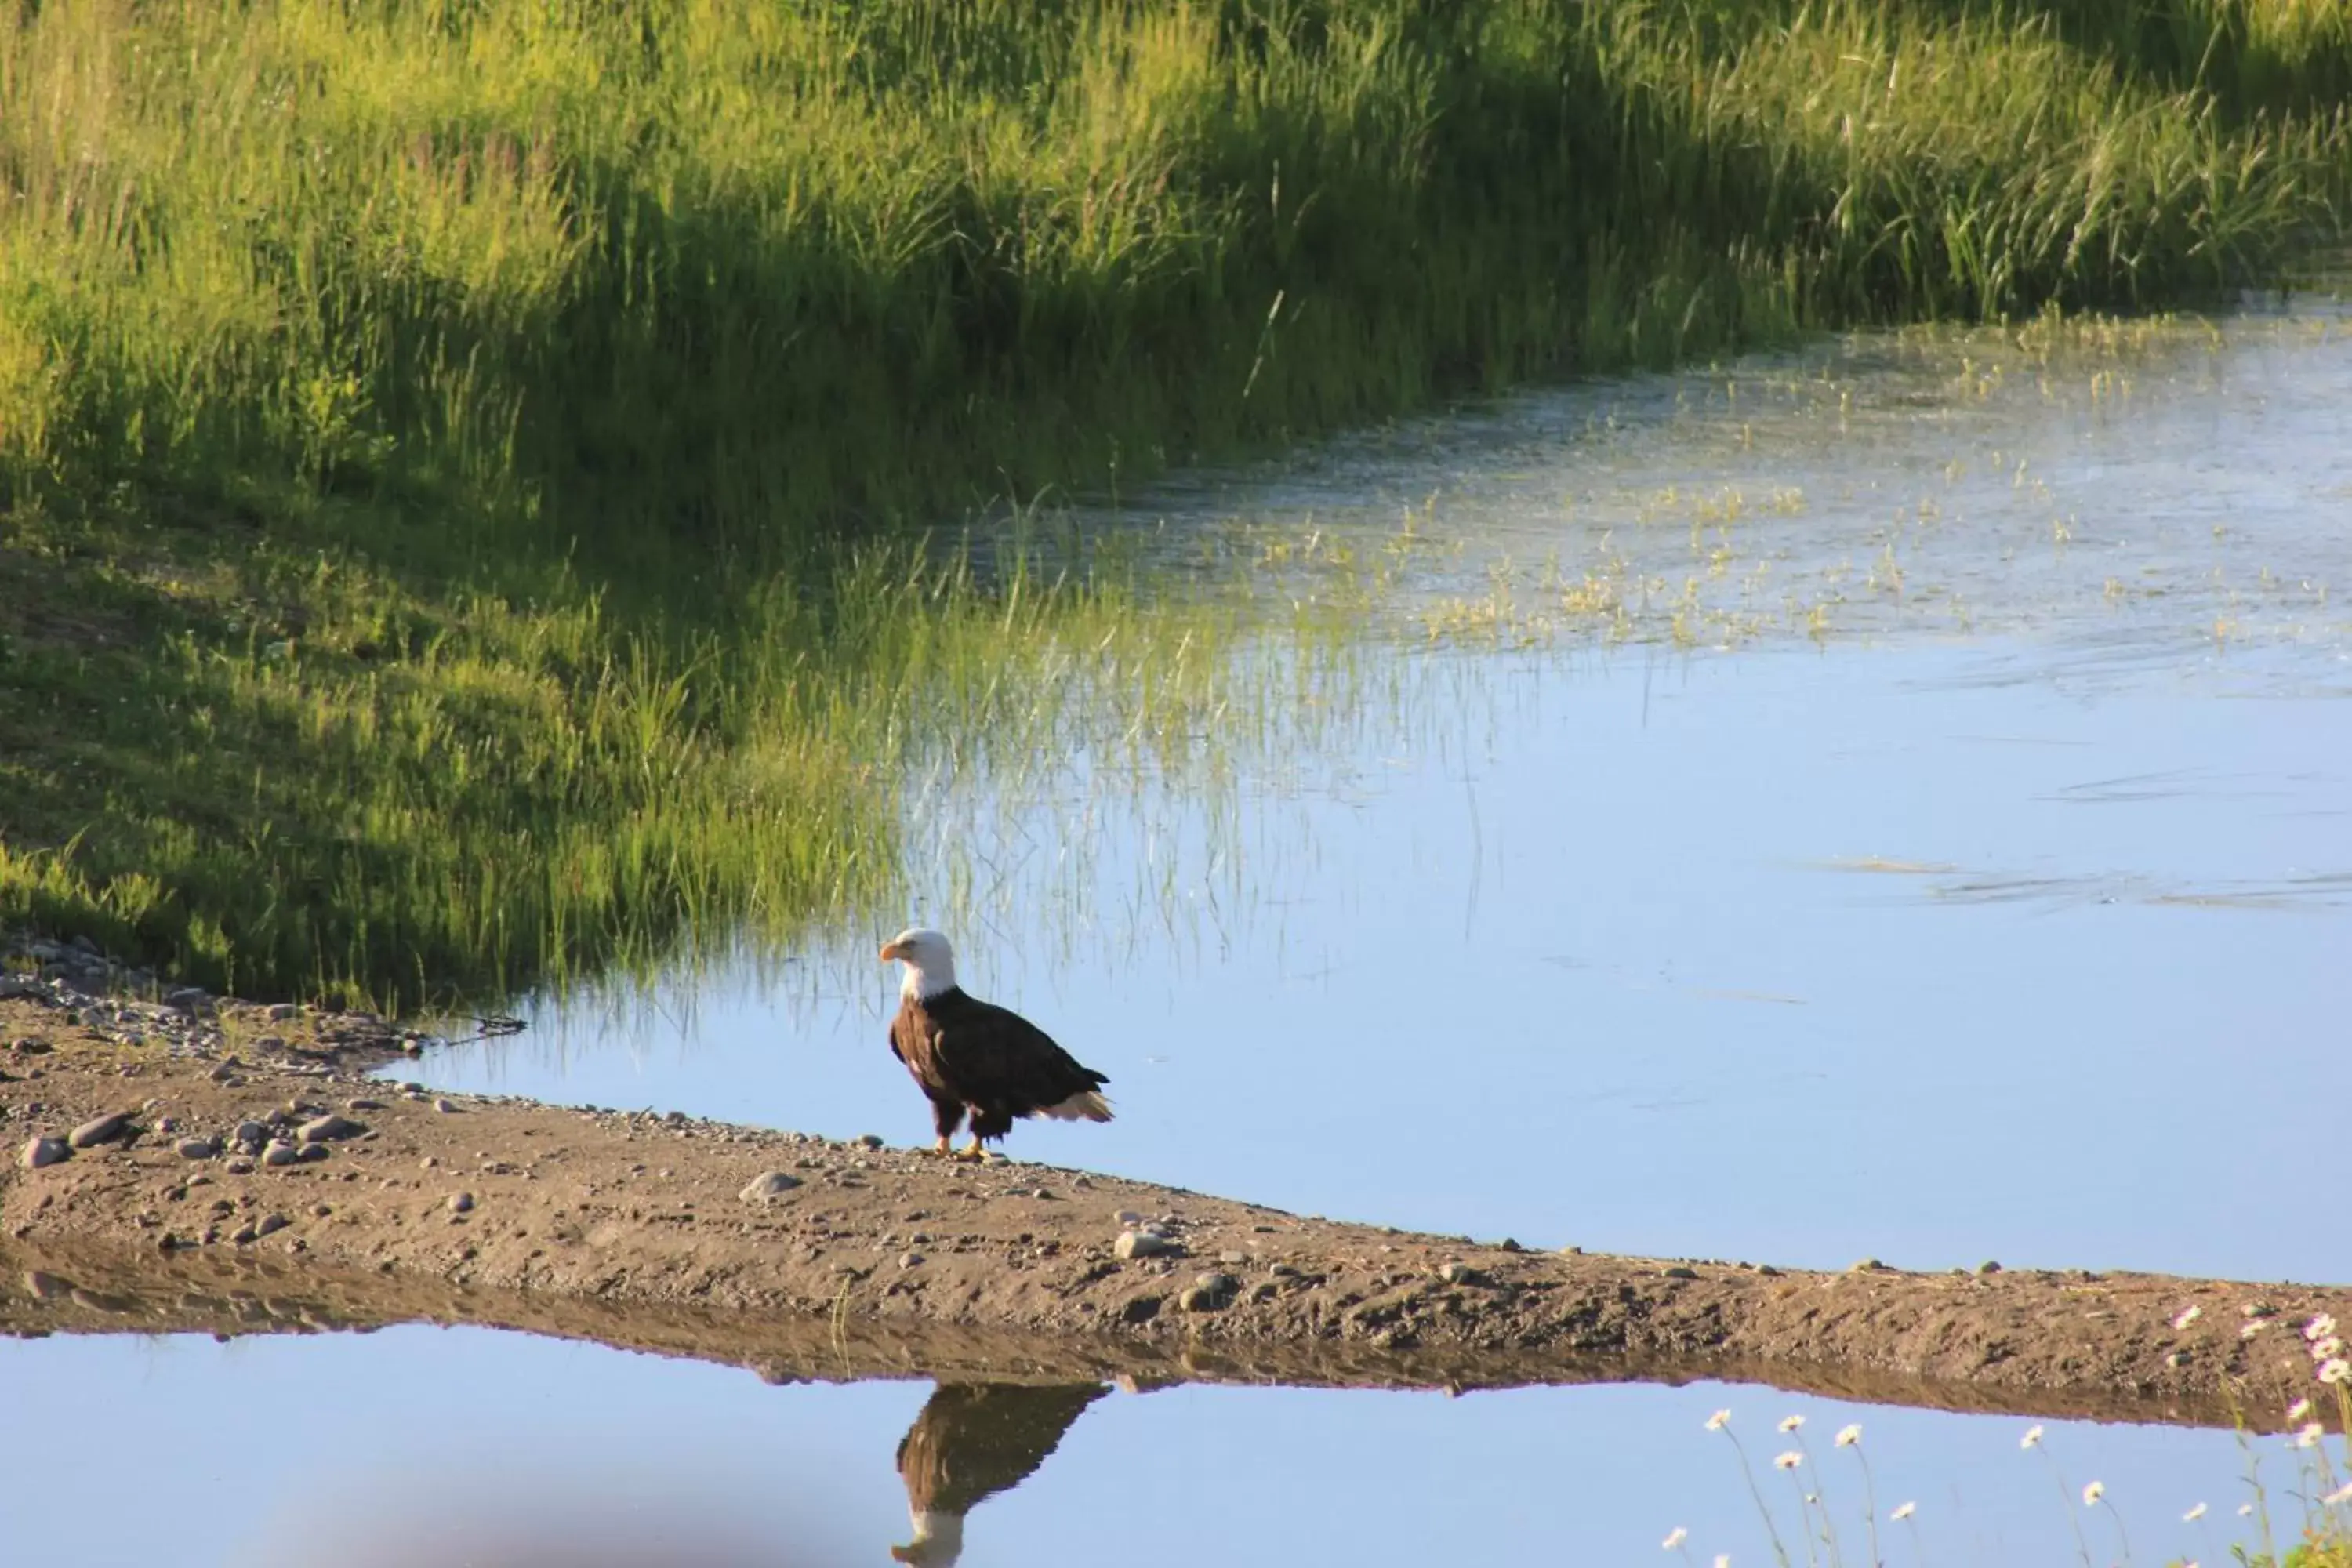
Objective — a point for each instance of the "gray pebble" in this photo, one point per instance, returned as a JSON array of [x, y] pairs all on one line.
[[909, 1259], [768, 1186], [444, 1107], [104, 1130], [280, 1152], [1866, 1266], [1142, 1243], [869, 1140], [461, 1203], [196, 1148], [310, 1152], [321, 1128], [280, 1012], [239, 1167], [1461, 1274], [920, 1239], [1677, 1272], [244, 1234], [1988, 1266], [252, 1132], [268, 1223], [43, 1151], [1233, 1258]]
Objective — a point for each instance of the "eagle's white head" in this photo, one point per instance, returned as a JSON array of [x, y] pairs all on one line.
[[929, 960]]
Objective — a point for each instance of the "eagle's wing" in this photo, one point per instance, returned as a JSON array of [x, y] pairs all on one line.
[[997, 1057]]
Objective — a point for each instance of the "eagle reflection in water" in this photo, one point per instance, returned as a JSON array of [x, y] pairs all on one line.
[[972, 1441]]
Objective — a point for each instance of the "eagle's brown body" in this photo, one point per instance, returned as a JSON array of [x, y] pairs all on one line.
[[974, 1059]]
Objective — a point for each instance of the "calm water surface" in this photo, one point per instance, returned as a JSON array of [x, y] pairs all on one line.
[[1892, 801], [423, 1446]]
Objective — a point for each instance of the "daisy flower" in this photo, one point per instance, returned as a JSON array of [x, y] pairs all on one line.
[[2032, 1439], [2309, 1434], [2298, 1410], [2335, 1370], [2193, 1515], [1848, 1437], [2185, 1316], [2093, 1492], [2320, 1328], [1790, 1423], [1905, 1510], [1788, 1461], [1675, 1538], [1719, 1421]]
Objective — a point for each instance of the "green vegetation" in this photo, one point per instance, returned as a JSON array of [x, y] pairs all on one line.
[[459, 465]]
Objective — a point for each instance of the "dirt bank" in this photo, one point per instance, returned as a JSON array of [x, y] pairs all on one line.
[[643, 1231]]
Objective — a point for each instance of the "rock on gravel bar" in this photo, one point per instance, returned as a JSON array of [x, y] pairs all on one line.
[[321, 1129], [767, 1187], [102, 1129], [43, 1151]]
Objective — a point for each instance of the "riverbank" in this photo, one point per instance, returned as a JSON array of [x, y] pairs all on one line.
[[266, 1181], [442, 453]]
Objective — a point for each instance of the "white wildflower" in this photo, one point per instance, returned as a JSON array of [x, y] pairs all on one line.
[[2336, 1371], [1788, 1461], [2193, 1515], [2251, 1330], [1675, 1538], [1723, 1560], [2032, 1439], [2298, 1410], [1790, 1423], [2093, 1492], [1905, 1510], [1848, 1437], [2245, 1510], [2342, 1494], [2187, 1315], [1719, 1421], [2328, 1348], [2309, 1434], [2320, 1328]]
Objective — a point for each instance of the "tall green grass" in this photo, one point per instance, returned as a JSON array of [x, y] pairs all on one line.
[[433, 437]]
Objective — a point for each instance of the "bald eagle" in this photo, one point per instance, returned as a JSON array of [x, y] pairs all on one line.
[[973, 1057], [972, 1441]]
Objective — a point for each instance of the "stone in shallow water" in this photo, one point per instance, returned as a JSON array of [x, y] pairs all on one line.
[[103, 1129], [43, 1151], [768, 1186]]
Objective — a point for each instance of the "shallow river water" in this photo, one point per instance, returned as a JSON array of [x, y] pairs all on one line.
[[1893, 800]]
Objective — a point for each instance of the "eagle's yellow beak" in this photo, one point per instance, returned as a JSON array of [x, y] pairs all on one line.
[[891, 949]]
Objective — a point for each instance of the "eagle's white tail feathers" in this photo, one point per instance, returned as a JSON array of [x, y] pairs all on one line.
[[1089, 1106]]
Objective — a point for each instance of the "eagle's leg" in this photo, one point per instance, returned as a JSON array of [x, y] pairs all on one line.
[[971, 1151], [947, 1115]]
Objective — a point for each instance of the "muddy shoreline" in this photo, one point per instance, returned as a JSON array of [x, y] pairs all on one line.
[[650, 1233]]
